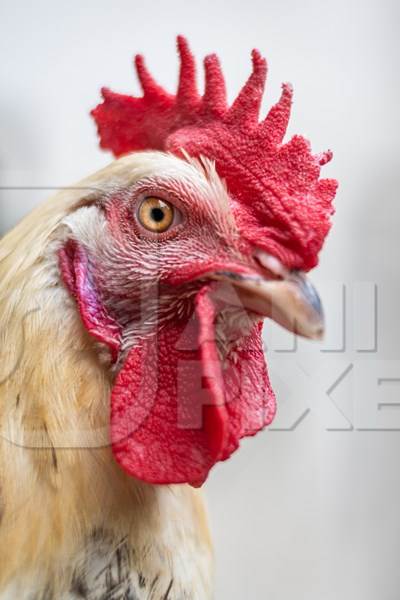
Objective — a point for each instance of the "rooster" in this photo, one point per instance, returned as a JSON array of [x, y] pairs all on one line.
[[131, 308]]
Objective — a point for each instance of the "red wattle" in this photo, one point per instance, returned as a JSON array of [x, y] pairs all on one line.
[[168, 416], [174, 414]]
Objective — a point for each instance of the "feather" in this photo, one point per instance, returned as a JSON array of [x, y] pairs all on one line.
[[59, 483]]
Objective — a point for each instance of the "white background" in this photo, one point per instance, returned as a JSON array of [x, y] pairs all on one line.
[[309, 513]]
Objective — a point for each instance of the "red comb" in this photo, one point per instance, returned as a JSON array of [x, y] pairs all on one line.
[[284, 206]]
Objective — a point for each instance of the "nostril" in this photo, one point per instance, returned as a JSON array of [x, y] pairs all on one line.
[[271, 264]]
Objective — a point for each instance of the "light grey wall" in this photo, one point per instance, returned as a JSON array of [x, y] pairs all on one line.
[[307, 513]]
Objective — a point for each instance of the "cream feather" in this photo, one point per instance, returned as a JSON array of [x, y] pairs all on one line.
[[58, 480]]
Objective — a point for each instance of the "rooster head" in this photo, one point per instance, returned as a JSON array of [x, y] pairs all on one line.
[[177, 263]]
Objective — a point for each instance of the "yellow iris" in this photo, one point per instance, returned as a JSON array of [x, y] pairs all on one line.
[[155, 214]]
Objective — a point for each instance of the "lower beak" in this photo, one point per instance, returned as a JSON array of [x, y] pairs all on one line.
[[292, 301]]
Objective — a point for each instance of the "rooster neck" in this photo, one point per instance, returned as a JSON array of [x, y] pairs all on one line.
[[59, 483]]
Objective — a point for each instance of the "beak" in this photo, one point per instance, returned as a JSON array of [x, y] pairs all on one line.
[[291, 301]]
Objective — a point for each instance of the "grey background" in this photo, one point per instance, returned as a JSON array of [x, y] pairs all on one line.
[[305, 513]]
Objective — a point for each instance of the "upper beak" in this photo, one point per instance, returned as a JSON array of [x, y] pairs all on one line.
[[291, 301]]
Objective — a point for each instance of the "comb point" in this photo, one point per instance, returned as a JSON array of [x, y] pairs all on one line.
[[214, 99], [324, 157], [147, 82], [275, 124], [187, 94], [245, 109]]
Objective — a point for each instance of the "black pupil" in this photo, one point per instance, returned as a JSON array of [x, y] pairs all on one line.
[[157, 214]]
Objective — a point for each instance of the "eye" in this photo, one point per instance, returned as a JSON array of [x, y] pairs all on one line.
[[156, 215]]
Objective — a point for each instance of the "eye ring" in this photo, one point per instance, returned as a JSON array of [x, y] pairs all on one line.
[[156, 215]]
